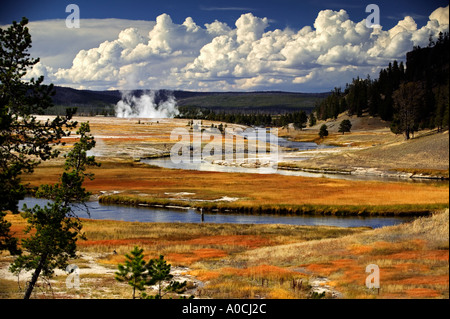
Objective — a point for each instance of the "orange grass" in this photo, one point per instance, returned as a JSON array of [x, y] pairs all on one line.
[[195, 255], [249, 241], [334, 266], [424, 280], [206, 253], [262, 271], [419, 255], [422, 293], [251, 189], [204, 274]]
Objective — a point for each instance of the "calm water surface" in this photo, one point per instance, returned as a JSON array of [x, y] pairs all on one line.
[[164, 215]]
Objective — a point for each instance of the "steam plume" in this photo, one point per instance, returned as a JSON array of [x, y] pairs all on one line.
[[145, 106]]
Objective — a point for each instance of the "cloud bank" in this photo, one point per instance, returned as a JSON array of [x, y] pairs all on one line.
[[165, 55]]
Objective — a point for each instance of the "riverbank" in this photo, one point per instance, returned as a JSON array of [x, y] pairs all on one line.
[[225, 206], [371, 149], [255, 193], [399, 173]]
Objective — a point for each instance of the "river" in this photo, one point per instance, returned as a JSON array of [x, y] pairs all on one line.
[[152, 214], [172, 215], [208, 165]]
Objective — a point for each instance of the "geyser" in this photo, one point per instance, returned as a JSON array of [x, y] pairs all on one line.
[[145, 106]]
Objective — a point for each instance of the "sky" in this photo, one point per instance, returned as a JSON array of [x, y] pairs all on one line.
[[210, 45]]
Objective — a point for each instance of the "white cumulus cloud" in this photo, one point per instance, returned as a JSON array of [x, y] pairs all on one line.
[[163, 54]]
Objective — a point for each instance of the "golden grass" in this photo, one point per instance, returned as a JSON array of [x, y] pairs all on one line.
[[253, 190], [263, 281], [195, 255], [413, 259], [260, 261], [203, 247], [263, 271]]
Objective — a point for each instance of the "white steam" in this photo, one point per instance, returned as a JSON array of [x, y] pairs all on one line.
[[145, 106]]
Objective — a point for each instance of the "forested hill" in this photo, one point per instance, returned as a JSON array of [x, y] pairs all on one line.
[[412, 97], [103, 102]]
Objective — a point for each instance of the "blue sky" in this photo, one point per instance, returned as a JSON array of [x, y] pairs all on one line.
[[209, 45], [283, 13]]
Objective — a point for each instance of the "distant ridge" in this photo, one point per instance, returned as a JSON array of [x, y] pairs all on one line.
[[73, 97], [267, 101]]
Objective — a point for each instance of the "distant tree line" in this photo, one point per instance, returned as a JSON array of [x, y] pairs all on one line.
[[412, 97], [82, 109], [298, 118]]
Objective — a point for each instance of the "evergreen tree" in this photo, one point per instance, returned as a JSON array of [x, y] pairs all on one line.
[[159, 272], [323, 132], [300, 119], [134, 271], [442, 107], [374, 98], [139, 274], [24, 141], [345, 126], [55, 228], [408, 99], [312, 119]]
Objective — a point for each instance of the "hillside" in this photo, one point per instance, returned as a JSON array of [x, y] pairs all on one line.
[[424, 80], [428, 151], [273, 102], [372, 146], [72, 97], [103, 102]]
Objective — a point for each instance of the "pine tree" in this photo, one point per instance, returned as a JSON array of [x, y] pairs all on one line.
[[134, 271], [442, 107], [159, 272], [24, 141], [323, 132], [408, 99], [139, 275], [300, 119], [312, 119], [345, 126], [55, 228]]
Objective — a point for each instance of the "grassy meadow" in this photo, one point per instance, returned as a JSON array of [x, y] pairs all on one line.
[[140, 183], [263, 261], [249, 261]]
